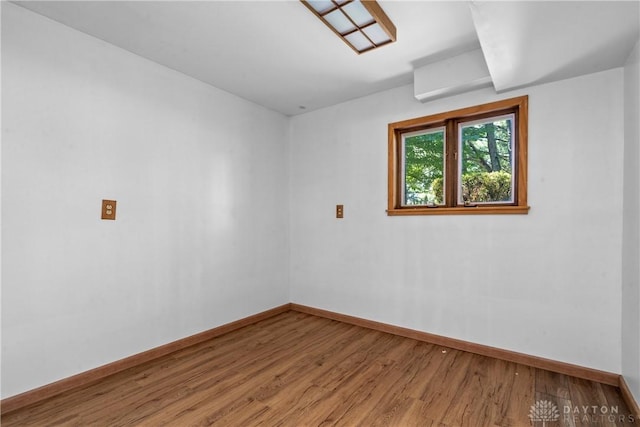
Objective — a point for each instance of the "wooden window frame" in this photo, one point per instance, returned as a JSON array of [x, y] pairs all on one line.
[[450, 120]]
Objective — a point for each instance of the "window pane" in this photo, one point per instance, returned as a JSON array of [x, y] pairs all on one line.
[[486, 172], [423, 168]]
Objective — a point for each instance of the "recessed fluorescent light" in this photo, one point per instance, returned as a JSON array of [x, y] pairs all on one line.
[[362, 24]]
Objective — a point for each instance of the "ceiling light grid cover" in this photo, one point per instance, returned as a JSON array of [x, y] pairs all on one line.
[[363, 25]]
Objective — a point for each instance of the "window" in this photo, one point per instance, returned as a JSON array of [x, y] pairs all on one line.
[[468, 161]]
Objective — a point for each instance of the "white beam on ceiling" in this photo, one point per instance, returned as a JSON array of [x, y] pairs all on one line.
[[460, 73]]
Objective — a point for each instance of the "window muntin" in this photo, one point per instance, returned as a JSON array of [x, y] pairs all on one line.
[[462, 131], [486, 172]]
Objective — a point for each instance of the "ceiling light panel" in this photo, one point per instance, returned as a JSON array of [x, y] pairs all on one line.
[[376, 34], [340, 22], [321, 6], [361, 24], [359, 41], [357, 12]]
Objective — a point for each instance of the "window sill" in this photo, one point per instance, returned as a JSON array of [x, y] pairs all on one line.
[[471, 210]]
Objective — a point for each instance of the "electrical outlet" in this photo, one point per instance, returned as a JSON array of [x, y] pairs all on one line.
[[339, 211], [109, 209]]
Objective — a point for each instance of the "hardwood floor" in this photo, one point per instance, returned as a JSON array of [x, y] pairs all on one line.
[[300, 370]]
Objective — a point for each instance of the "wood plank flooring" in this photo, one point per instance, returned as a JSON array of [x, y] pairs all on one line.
[[296, 369]]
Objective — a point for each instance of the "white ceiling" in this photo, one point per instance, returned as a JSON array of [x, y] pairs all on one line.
[[279, 55]]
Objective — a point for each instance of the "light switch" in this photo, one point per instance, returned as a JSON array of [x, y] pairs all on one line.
[[339, 211], [109, 209]]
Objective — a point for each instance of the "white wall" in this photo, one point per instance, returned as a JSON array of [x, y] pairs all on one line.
[[199, 176], [631, 226], [546, 283]]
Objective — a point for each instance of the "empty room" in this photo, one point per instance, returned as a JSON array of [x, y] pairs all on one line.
[[318, 213]]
